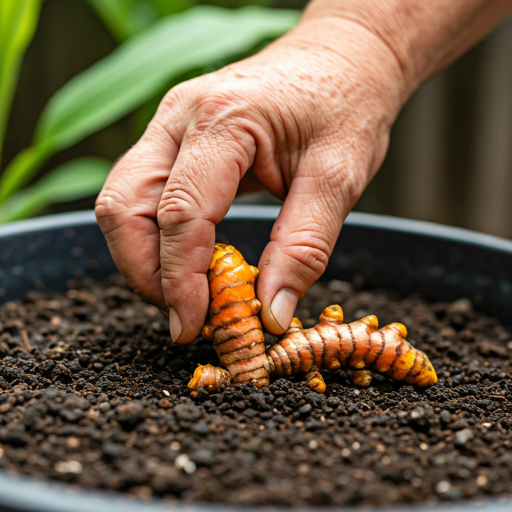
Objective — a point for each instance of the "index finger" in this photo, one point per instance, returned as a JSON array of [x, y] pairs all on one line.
[[197, 196]]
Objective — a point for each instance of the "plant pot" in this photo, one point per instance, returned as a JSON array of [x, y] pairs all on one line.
[[440, 263]]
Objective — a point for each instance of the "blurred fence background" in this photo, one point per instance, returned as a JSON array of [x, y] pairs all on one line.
[[450, 159]]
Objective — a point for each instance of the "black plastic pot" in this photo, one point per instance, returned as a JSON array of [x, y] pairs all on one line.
[[439, 262]]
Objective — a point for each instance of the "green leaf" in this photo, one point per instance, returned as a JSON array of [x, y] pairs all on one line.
[[124, 18], [138, 69], [235, 4], [164, 7], [116, 15], [21, 169], [79, 178], [132, 73], [18, 22]]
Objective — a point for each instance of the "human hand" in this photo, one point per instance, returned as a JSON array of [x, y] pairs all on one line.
[[310, 114]]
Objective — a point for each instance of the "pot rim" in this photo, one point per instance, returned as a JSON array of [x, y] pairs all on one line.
[[264, 212], [31, 494]]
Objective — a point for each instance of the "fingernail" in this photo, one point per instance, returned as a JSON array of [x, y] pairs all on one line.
[[175, 325], [283, 307]]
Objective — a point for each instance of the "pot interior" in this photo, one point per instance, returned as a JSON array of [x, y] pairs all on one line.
[[440, 263], [437, 262]]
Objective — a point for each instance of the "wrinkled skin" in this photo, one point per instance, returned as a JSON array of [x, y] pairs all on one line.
[[310, 115]]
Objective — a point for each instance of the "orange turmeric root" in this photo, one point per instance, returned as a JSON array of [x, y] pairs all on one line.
[[235, 329]]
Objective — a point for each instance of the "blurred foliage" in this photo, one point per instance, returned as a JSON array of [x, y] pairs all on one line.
[[18, 22], [161, 44], [124, 18], [80, 177]]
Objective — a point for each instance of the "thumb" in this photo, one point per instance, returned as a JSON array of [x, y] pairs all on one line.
[[302, 241]]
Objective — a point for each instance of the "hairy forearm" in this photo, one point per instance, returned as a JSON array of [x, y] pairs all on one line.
[[423, 35]]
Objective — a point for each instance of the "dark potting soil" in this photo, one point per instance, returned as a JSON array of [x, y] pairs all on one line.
[[94, 393]]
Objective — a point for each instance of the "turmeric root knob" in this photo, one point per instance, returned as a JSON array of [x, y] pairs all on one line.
[[361, 378], [316, 381], [209, 377]]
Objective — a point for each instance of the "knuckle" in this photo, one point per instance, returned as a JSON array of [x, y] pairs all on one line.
[[109, 204], [173, 274], [174, 109], [224, 116], [344, 178], [176, 207], [340, 182], [175, 96], [218, 107], [218, 100], [312, 256]]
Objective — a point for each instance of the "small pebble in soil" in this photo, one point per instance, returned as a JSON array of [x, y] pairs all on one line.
[[69, 466], [93, 392]]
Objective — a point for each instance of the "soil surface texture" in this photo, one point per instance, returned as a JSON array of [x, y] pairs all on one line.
[[94, 393]]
